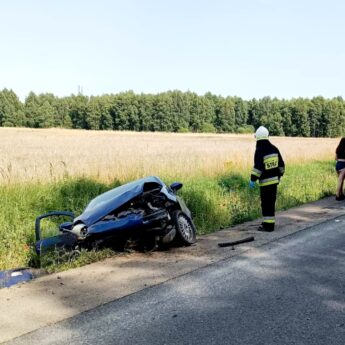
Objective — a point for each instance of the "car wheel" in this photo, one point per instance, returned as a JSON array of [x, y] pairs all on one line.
[[185, 229]]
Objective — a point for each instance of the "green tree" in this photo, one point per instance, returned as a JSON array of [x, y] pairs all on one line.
[[31, 109], [225, 115], [201, 110], [316, 121], [241, 112], [145, 112], [11, 109], [79, 111], [62, 113], [299, 117], [162, 115], [179, 111]]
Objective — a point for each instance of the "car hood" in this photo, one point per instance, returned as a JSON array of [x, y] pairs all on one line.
[[109, 201]]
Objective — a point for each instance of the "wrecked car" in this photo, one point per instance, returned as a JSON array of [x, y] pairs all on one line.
[[145, 212]]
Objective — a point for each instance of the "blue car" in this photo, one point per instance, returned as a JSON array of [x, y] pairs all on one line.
[[144, 213]]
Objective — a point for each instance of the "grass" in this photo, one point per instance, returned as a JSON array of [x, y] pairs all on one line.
[[59, 260], [57, 169], [216, 201]]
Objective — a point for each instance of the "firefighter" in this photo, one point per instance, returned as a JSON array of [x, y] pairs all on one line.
[[268, 168]]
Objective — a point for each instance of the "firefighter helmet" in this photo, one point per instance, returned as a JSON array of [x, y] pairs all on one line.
[[261, 133]]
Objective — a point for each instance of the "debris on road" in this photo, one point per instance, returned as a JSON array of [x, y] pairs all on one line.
[[233, 243], [15, 276]]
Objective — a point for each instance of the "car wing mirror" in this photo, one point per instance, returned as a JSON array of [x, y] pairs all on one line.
[[176, 186]]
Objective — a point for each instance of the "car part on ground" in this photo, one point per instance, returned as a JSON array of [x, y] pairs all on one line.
[[233, 243], [15, 276]]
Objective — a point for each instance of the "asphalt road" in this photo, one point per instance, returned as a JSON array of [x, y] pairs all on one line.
[[291, 291]]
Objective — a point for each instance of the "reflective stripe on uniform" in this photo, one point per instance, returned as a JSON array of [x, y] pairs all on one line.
[[270, 220], [268, 181], [270, 156], [256, 172]]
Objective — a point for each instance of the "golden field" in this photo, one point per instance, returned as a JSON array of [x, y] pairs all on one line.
[[213, 168], [51, 154]]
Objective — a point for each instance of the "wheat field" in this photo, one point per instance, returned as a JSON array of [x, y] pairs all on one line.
[[39, 170], [51, 154]]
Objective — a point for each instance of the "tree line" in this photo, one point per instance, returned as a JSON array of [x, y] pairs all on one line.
[[176, 111]]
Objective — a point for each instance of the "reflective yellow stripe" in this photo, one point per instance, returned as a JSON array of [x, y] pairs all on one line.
[[271, 155], [269, 181], [270, 221], [256, 172]]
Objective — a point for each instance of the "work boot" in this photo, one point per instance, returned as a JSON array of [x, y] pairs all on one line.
[[265, 229]]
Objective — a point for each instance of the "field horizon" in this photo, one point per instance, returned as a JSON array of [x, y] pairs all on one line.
[[53, 154], [43, 170]]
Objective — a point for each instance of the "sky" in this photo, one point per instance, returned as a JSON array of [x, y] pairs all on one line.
[[245, 48]]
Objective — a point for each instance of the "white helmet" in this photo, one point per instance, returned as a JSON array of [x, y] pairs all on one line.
[[261, 133]]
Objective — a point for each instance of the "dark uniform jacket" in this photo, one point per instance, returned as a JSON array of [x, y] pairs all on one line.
[[269, 166]]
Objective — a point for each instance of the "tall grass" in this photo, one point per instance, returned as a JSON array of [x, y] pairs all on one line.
[[216, 201], [52, 169]]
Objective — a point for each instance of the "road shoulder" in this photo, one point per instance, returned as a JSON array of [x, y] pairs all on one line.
[[56, 297]]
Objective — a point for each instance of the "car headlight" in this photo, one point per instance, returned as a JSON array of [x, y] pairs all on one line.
[[80, 230]]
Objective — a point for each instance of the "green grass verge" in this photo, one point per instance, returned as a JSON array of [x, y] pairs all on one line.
[[216, 202]]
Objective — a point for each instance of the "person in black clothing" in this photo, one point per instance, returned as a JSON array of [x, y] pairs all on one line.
[[268, 168], [340, 168]]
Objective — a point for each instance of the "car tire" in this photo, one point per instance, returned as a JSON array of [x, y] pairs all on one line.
[[185, 229]]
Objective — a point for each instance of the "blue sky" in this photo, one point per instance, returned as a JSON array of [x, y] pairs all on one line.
[[248, 48]]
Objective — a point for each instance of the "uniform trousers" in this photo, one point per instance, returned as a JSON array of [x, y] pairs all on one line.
[[268, 196]]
